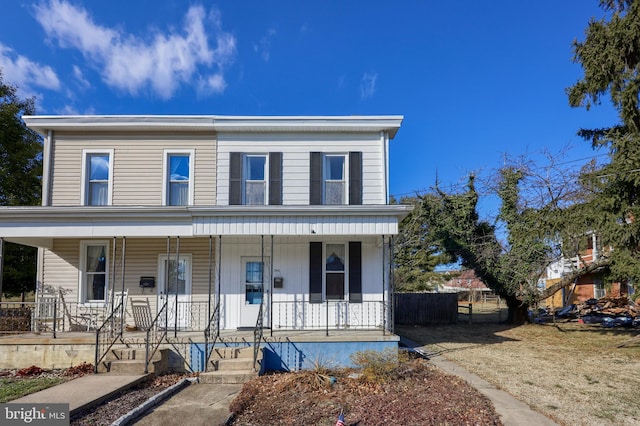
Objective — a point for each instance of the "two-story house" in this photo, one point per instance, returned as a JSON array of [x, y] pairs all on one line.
[[281, 223]]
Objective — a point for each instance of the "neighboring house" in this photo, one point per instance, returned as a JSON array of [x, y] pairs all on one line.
[[273, 222], [588, 286], [467, 284]]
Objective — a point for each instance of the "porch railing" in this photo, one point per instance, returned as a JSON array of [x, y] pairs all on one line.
[[258, 333], [18, 317], [107, 334], [330, 315], [211, 334], [159, 334]]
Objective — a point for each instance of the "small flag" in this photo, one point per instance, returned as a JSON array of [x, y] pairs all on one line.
[[340, 421]]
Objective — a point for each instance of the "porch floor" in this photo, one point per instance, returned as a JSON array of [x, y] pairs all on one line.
[[89, 337]]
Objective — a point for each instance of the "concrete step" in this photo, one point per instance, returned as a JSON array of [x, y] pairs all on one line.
[[232, 364], [227, 377], [128, 366], [232, 352]]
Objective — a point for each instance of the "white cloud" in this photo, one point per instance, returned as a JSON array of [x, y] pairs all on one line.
[[263, 47], [79, 76], [161, 62], [17, 70], [368, 84]]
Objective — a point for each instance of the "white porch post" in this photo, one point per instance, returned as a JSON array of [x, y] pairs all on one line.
[[124, 250], [175, 316], [219, 282]]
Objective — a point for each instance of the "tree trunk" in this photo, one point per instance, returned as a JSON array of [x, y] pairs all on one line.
[[518, 311]]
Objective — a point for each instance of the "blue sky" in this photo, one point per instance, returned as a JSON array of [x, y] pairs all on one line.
[[474, 80]]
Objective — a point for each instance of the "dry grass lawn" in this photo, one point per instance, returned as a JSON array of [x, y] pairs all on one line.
[[574, 373]]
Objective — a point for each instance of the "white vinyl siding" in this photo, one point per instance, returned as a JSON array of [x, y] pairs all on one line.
[[296, 150], [290, 259], [137, 173]]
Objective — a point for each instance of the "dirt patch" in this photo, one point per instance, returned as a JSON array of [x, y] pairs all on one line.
[[418, 393]]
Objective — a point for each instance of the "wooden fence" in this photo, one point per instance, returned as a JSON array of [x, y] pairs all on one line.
[[425, 308]]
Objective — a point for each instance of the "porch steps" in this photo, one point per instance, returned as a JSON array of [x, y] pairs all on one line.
[[231, 365], [131, 361]]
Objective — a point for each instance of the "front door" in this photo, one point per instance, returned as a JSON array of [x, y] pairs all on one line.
[[174, 287], [253, 290]]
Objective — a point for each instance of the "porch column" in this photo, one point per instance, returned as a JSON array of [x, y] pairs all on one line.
[[209, 286], [112, 287], [391, 284], [166, 285], [218, 304], [123, 300], [384, 289], [271, 291], [175, 315], [1, 264]]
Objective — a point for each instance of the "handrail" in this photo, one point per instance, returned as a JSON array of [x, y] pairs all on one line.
[[163, 332], [105, 332], [258, 333], [215, 322]]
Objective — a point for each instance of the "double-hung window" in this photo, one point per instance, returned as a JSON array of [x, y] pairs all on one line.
[[335, 179], [334, 270], [94, 271], [255, 179], [178, 171], [97, 177]]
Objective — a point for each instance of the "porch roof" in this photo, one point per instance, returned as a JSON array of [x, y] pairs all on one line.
[[38, 226]]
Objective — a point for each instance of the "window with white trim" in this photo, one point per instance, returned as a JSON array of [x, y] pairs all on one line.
[[94, 276], [598, 288], [335, 181], [178, 172], [254, 180], [334, 271], [97, 177]]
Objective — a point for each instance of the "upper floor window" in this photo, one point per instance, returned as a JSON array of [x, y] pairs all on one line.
[[255, 179], [178, 188], [335, 179], [96, 182]]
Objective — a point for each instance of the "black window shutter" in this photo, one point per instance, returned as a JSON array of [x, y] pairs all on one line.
[[275, 178], [315, 272], [235, 179], [355, 271], [315, 181], [355, 178]]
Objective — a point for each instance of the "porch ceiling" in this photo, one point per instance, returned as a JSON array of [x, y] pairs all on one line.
[[38, 225]]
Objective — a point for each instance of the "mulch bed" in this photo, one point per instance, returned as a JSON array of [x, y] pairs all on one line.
[[418, 393]]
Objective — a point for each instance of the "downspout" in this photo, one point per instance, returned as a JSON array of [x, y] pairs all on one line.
[[46, 168], [384, 138], [46, 171]]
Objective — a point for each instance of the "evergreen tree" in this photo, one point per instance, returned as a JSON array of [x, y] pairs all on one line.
[[610, 59]]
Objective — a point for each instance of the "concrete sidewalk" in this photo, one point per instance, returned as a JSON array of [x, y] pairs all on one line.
[[85, 391], [512, 412]]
